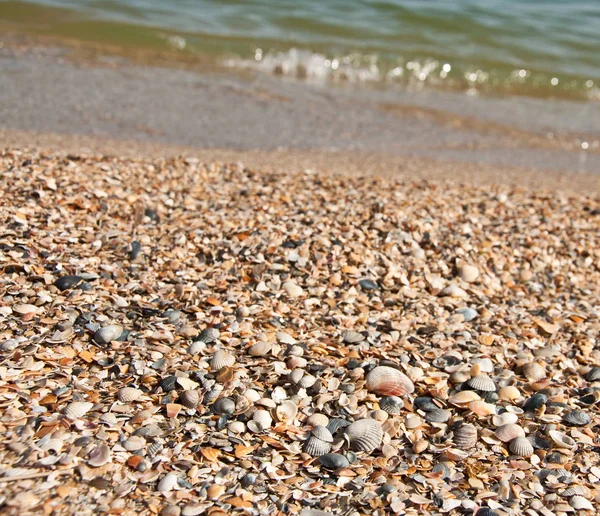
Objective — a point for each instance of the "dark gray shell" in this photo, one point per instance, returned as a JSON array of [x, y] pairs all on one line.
[[208, 335], [334, 461], [437, 415], [577, 418], [593, 374], [223, 406], [393, 405], [535, 402]]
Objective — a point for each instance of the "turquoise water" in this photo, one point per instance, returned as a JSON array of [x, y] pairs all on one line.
[[512, 46]]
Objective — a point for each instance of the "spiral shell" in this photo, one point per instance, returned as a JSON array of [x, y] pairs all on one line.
[[190, 398], [507, 433], [286, 411], [364, 435], [393, 405], [482, 382], [465, 437], [521, 446], [316, 447], [128, 394], [260, 349], [77, 409], [534, 371], [223, 406], [388, 381], [221, 359]]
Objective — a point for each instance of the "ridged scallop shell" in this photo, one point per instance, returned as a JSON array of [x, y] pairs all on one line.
[[364, 435], [521, 446], [465, 437], [577, 418], [190, 398], [221, 359], [393, 405], [561, 440], [286, 411], [388, 381], [316, 447], [260, 349], [77, 409], [336, 424], [317, 420], [134, 443], [352, 337], [323, 433], [534, 371], [128, 394], [223, 406], [575, 490], [482, 382], [208, 335], [507, 433], [262, 418]]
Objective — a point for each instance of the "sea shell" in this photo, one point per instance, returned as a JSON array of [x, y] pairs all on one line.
[[295, 362], [482, 382], [509, 393], [507, 433], [577, 418], [443, 468], [352, 337], [468, 273], [323, 433], [134, 443], [364, 435], [535, 402], [67, 282], [224, 406], [463, 397], [190, 398], [579, 503], [99, 456], [561, 440], [556, 458], [77, 409], [481, 408], [425, 403], [261, 419], [393, 405], [317, 420], [128, 394], [286, 411], [208, 336], [575, 490], [437, 415], [465, 436], [260, 349], [316, 447], [193, 509], [521, 446], [593, 374], [388, 381], [379, 415], [292, 289], [333, 461], [336, 424], [534, 371], [107, 334], [506, 418], [221, 359], [167, 483], [302, 379]]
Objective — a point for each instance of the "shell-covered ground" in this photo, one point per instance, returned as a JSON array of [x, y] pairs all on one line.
[[182, 338]]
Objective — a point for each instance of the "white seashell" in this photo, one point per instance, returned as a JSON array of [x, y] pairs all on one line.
[[262, 418], [128, 394], [468, 273], [506, 418], [381, 416], [296, 362], [561, 440], [317, 420], [508, 432], [260, 349], [465, 437], [134, 443], [388, 381], [534, 372], [193, 509], [579, 503], [453, 290], [77, 409], [167, 483], [482, 382], [107, 334], [252, 395], [302, 379], [237, 427], [352, 337], [316, 447], [109, 419], [190, 398], [196, 347], [364, 435], [99, 456], [285, 338], [521, 446], [292, 289], [221, 359], [25, 309], [286, 411], [323, 433]]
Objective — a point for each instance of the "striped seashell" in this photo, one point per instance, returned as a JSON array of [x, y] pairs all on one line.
[[393, 405], [77, 409], [262, 418], [575, 490], [577, 418], [223, 406], [521, 446], [286, 411], [167, 483], [190, 398], [579, 503], [316, 447], [437, 415], [260, 349], [352, 337], [236, 427], [221, 359], [323, 433], [212, 394], [285, 338], [154, 449], [317, 420], [463, 397], [208, 335], [109, 419], [364, 435], [507, 433], [556, 458], [388, 381], [534, 371], [561, 440], [482, 382], [134, 443], [465, 437], [128, 394], [336, 424]]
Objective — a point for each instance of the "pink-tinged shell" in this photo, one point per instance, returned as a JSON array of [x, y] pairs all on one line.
[[465, 437], [221, 359], [507, 433], [78, 409], [521, 446], [128, 394], [99, 456], [364, 435], [388, 381]]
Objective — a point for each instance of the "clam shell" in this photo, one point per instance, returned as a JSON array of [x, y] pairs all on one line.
[[167, 483], [509, 393], [336, 423], [364, 435], [463, 397], [521, 446], [425, 403], [575, 490], [577, 418], [593, 374], [352, 337], [507, 433], [302, 379], [468, 273], [388, 381], [190, 398], [534, 371], [535, 402], [482, 382], [316, 447], [295, 362], [437, 415], [323, 433], [333, 461], [262, 418], [128, 394], [193, 509], [260, 349], [224, 406], [286, 411], [393, 405], [379, 415], [221, 359], [77, 409], [99, 456], [442, 468], [107, 334], [579, 503], [561, 440], [134, 443], [506, 418], [465, 437], [209, 335], [317, 420]]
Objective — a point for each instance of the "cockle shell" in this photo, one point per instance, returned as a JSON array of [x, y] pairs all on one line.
[[534, 371], [134, 443], [388, 381], [261, 420], [260, 349], [317, 420], [167, 483], [393, 405], [128, 394], [193, 509], [577, 418], [316, 447], [521, 446], [286, 411], [323, 433], [223, 406], [465, 436], [352, 337], [507, 433], [208, 335], [190, 398], [364, 435], [222, 358], [437, 415], [77, 409], [482, 382]]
